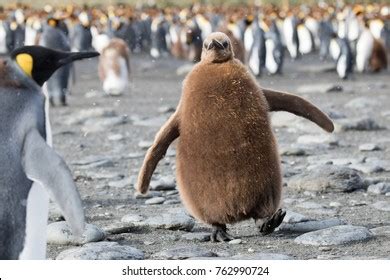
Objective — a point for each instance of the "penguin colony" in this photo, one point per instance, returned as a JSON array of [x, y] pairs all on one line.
[[255, 40], [356, 37]]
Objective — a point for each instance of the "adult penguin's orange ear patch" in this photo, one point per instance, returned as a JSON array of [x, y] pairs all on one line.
[[25, 62], [52, 22]]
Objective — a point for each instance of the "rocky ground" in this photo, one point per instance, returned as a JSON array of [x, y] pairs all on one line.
[[337, 191]]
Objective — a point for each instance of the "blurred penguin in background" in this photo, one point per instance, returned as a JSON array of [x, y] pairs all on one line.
[[81, 35], [341, 53], [114, 67], [254, 42], [15, 31], [54, 37]]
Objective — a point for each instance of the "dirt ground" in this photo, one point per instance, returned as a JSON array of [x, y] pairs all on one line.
[[155, 84]]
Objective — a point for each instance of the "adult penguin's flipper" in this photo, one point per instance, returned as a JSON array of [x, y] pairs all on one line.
[[41, 164], [282, 101]]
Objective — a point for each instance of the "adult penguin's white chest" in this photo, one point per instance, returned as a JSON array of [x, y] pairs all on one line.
[[37, 209]]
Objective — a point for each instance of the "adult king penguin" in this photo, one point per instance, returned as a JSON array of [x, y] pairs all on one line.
[[30, 169], [228, 166]]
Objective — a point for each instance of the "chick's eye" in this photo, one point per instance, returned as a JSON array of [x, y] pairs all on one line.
[[225, 44]]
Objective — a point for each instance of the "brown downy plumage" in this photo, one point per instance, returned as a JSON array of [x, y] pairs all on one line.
[[228, 166], [378, 60]]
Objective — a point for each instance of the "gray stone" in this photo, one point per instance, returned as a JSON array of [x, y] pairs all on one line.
[[102, 251], [359, 124], [327, 178], [362, 103], [173, 219], [122, 183], [310, 225], [143, 144], [310, 205], [172, 202], [182, 253], [55, 213], [197, 236], [292, 151], [103, 175], [155, 200], [368, 147], [151, 122], [235, 241], [165, 183], [382, 205], [60, 233], [367, 168], [119, 228], [379, 188], [82, 116], [115, 137], [93, 162], [381, 231], [328, 139], [166, 109], [262, 256], [131, 218], [337, 235], [98, 125], [293, 217]]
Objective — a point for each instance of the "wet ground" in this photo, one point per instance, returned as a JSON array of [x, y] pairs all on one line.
[[104, 148]]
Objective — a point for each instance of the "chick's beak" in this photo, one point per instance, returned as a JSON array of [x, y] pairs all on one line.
[[215, 44]]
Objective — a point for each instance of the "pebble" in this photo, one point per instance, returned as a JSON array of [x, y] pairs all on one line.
[[379, 188], [127, 182], [80, 117], [104, 175], [166, 109], [362, 103], [115, 137], [368, 147], [119, 228], [144, 145], [131, 218], [181, 253], [94, 162], [262, 256], [358, 124], [293, 217], [318, 139], [102, 251], [381, 231], [310, 225], [172, 202], [151, 122], [327, 178], [310, 205], [55, 213], [154, 200], [197, 236], [292, 151], [235, 241], [382, 205], [335, 204], [165, 183], [172, 219], [60, 233], [99, 125], [336, 235]]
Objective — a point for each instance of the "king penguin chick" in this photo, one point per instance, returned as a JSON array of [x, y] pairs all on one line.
[[30, 169], [228, 166]]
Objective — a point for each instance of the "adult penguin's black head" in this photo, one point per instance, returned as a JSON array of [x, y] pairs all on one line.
[[39, 63]]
